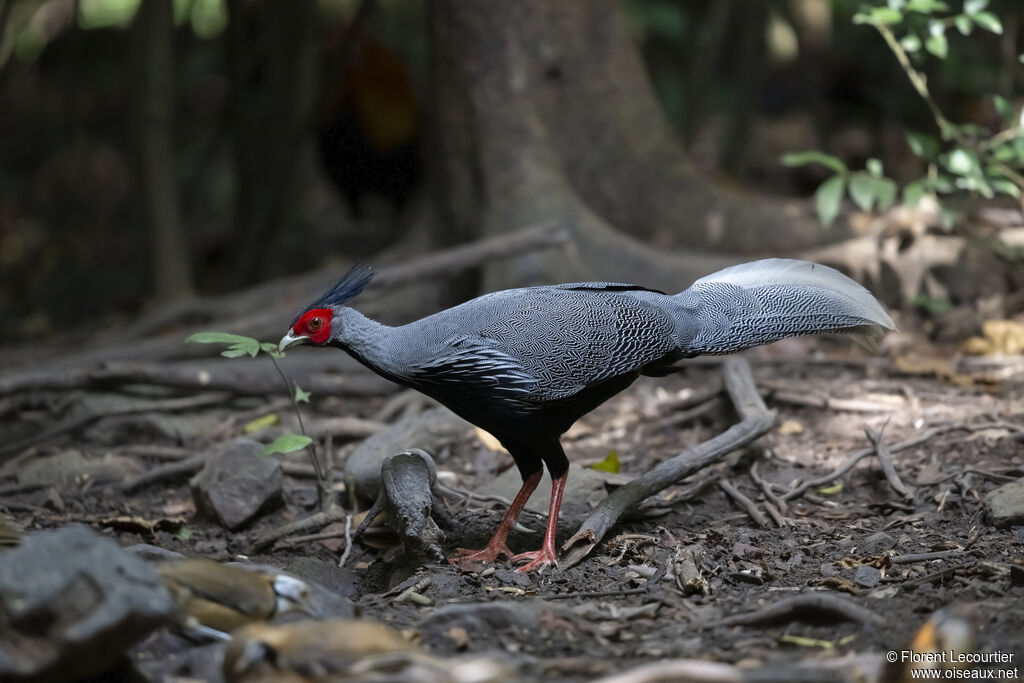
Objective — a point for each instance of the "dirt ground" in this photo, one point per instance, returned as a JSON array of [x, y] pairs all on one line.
[[626, 604]]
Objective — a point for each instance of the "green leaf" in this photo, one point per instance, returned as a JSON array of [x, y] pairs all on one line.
[[961, 162], [862, 190], [609, 464], [963, 24], [237, 344], [937, 45], [271, 349], [911, 43], [923, 145], [930, 304], [874, 167], [1004, 109], [927, 6], [896, 4], [886, 16], [183, 533], [813, 157], [1005, 187], [885, 191], [300, 395], [913, 192], [988, 21], [974, 6], [828, 199], [287, 443]]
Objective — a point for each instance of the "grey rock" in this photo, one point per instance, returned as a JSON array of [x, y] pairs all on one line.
[[866, 576], [71, 603], [237, 483], [1005, 505], [430, 430], [878, 543]]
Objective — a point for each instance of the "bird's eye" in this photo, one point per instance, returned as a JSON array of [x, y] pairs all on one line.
[[316, 323]]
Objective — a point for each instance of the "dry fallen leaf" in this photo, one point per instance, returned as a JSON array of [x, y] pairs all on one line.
[[1001, 338], [791, 427]]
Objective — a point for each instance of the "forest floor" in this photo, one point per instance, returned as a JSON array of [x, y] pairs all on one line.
[[639, 597]]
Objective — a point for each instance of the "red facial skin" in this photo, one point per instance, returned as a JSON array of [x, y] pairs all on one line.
[[315, 325]]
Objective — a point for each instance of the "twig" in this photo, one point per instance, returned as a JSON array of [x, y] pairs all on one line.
[[348, 542], [319, 519], [798, 605], [594, 594], [745, 503], [766, 488], [895, 448], [756, 420], [776, 516], [885, 460], [415, 588], [927, 557], [171, 470]]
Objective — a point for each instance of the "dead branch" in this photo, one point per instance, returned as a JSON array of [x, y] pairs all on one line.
[[316, 520], [254, 378], [745, 503], [76, 422], [885, 460], [797, 606], [769, 495], [171, 470], [911, 558], [756, 419], [921, 438]]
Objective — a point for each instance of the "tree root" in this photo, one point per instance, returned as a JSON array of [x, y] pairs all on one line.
[[756, 419]]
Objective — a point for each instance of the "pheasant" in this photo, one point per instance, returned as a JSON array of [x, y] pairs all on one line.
[[525, 364]]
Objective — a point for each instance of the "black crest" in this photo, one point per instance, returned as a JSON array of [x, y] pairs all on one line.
[[347, 288]]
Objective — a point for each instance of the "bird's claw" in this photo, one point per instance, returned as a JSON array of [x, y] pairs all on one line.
[[466, 558], [537, 559]]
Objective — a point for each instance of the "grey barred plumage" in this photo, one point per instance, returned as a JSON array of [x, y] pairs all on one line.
[[525, 364]]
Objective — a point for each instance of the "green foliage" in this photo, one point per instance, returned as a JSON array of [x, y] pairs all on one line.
[[964, 157], [287, 443], [867, 189], [238, 345]]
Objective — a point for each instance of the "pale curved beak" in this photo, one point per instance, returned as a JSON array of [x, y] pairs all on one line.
[[290, 340]]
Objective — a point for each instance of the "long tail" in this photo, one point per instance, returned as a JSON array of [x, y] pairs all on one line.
[[764, 301]]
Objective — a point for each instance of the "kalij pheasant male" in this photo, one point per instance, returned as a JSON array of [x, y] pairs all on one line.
[[525, 364]]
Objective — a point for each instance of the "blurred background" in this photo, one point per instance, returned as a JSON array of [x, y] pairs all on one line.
[[153, 152]]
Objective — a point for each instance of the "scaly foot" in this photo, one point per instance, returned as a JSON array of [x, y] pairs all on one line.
[[537, 559], [465, 558]]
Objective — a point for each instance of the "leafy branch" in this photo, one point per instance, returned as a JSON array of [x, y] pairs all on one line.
[[240, 346], [966, 157]]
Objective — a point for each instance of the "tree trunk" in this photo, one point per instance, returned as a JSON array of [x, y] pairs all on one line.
[[155, 47], [543, 114], [273, 67]]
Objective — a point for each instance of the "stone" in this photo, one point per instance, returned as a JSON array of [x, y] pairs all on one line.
[[878, 543], [1005, 505], [71, 603], [237, 483], [867, 576]]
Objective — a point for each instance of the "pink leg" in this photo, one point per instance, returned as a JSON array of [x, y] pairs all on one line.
[[496, 546], [547, 555]]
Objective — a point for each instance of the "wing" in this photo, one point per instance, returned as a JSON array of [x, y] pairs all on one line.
[[547, 343]]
